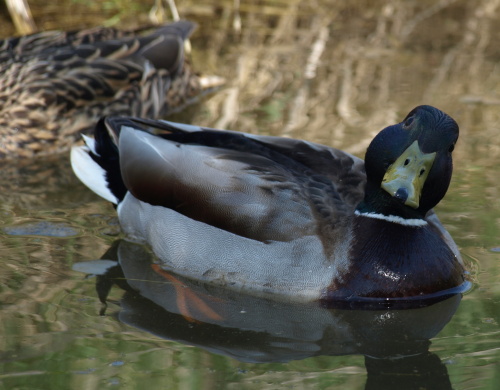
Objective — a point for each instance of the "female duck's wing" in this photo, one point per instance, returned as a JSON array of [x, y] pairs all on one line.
[[42, 44], [75, 76], [49, 94], [261, 188]]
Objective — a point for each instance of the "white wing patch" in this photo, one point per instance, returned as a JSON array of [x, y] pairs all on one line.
[[90, 173], [90, 142]]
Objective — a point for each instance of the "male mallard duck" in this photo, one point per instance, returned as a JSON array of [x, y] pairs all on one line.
[[284, 217], [56, 85]]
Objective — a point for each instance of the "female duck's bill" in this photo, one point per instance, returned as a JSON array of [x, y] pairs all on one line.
[[281, 217]]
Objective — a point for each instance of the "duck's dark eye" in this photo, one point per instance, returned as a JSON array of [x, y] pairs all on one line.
[[408, 121], [452, 147]]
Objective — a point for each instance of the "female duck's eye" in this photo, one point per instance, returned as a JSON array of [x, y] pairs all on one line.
[[408, 121], [452, 147]]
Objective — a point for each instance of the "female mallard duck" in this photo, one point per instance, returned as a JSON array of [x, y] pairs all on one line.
[[56, 85], [280, 216]]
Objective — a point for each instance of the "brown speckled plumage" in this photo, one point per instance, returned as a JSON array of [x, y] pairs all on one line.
[[56, 85]]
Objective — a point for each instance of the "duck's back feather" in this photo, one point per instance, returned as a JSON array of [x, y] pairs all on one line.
[[263, 188], [341, 168]]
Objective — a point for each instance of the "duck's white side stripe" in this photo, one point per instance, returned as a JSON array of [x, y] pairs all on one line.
[[394, 219]]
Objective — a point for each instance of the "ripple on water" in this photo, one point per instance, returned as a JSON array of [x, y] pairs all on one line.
[[42, 228]]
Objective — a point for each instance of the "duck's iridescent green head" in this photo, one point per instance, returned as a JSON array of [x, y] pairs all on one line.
[[409, 165]]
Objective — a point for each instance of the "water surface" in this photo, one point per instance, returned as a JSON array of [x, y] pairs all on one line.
[[322, 71]]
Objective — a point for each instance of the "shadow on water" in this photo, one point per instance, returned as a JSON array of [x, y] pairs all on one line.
[[395, 343]]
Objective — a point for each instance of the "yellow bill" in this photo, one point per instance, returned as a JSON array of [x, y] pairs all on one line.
[[406, 177]]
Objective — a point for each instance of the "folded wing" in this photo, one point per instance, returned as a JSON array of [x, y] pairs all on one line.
[[263, 188]]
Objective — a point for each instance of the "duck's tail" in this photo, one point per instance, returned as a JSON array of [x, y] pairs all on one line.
[[97, 163]]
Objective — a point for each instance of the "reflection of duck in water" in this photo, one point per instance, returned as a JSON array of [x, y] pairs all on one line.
[[282, 217], [54, 85], [251, 329]]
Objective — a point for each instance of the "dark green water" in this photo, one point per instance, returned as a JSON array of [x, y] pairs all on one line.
[[326, 72]]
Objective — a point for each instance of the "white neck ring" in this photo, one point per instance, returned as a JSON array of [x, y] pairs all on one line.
[[415, 222]]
